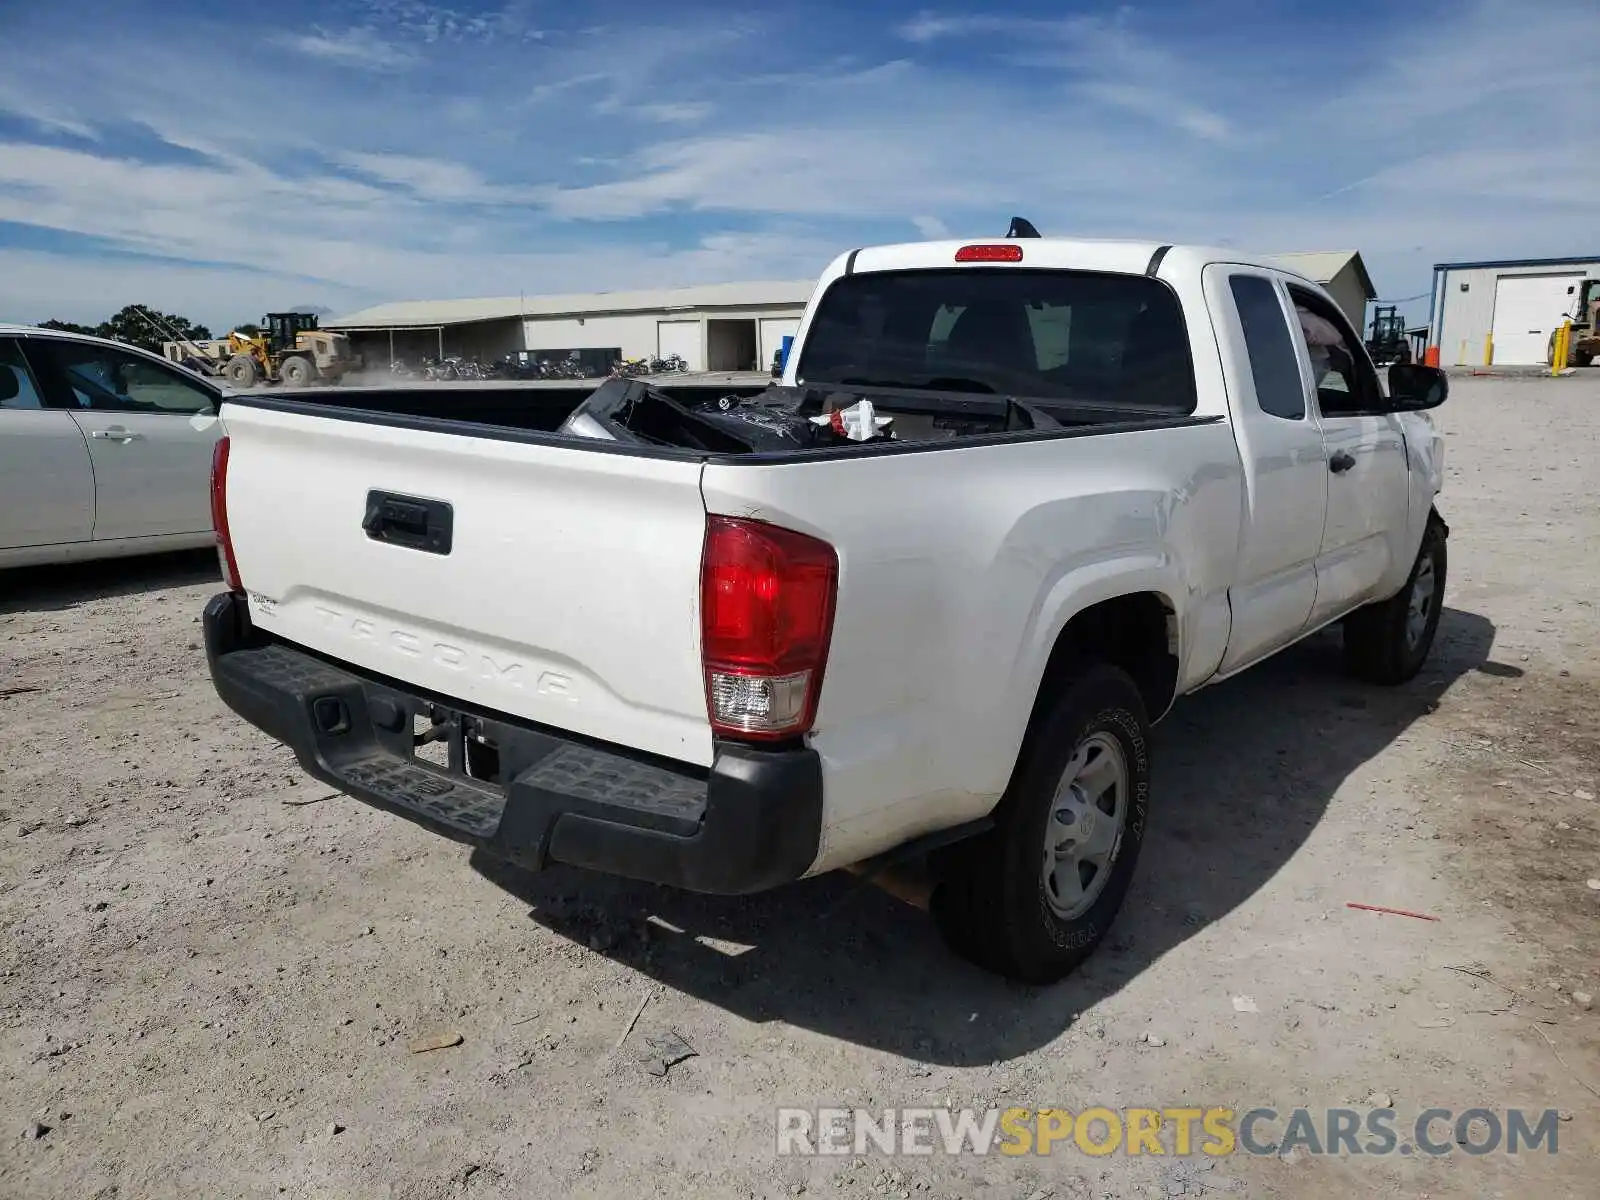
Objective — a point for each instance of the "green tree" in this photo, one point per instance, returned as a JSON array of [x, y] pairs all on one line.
[[146, 327], [137, 325]]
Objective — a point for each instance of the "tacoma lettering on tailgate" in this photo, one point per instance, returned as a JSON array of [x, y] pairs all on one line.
[[454, 658]]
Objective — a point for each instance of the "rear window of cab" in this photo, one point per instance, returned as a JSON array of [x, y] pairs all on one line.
[[1063, 336]]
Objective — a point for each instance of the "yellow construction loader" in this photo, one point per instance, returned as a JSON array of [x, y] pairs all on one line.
[[291, 350], [1583, 345]]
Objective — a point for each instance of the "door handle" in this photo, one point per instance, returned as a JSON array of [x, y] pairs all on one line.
[[1341, 462], [116, 434]]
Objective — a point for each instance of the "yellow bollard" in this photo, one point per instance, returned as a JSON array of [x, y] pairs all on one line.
[[1488, 349], [1563, 347]]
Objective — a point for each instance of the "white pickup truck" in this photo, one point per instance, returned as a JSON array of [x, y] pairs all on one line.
[[720, 642]]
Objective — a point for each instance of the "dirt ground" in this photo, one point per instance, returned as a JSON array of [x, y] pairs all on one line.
[[210, 976]]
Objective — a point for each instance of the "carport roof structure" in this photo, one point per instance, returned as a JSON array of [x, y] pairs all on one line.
[[433, 314]]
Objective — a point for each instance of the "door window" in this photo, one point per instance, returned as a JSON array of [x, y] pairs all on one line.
[[17, 388], [1280, 391], [105, 379], [1346, 382]]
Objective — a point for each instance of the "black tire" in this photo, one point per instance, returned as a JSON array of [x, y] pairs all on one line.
[[298, 371], [241, 371], [1379, 646], [993, 906]]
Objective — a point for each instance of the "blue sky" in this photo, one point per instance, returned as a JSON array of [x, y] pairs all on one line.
[[354, 151]]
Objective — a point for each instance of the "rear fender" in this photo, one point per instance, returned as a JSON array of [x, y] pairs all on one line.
[[1075, 591]]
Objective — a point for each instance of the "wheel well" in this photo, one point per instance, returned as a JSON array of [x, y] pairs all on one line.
[[1137, 632]]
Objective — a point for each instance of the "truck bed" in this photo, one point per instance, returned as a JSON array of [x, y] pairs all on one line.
[[672, 418]]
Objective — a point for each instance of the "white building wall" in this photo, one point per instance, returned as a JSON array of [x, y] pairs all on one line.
[[633, 333], [685, 338], [773, 331], [637, 334], [1464, 318]]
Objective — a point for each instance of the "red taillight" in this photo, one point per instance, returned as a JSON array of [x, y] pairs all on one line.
[[766, 615], [219, 515], [1002, 252]]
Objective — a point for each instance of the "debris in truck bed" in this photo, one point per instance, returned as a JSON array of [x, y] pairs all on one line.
[[792, 418], [858, 423]]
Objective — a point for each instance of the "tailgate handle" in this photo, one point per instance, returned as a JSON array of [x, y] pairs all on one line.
[[409, 521]]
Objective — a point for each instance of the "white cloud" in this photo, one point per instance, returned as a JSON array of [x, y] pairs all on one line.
[[928, 27], [1110, 61], [428, 178], [49, 115], [931, 228], [684, 113], [1161, 106], [350, 47], [439, 22]]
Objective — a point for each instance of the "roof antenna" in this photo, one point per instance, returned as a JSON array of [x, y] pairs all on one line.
[[1021, 227]]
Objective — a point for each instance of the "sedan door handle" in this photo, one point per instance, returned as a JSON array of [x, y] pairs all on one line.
[[116, 434], [1341, 462]]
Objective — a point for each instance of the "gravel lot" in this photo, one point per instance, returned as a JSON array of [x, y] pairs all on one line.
[[211, 976]]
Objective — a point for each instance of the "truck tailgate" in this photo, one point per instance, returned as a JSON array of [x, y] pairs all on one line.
[[568, 593]]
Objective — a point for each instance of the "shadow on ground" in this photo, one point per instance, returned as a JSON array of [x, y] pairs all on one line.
[[52, 588], [1244, 771]]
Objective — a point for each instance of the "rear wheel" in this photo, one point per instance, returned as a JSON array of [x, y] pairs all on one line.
[[1388, 642], [298, 371], [1032, 898], [241, 371]]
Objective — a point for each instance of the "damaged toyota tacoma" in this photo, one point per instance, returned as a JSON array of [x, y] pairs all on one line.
[[926, 593]]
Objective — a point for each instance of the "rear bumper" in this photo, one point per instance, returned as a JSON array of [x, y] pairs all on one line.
[[752, 822]]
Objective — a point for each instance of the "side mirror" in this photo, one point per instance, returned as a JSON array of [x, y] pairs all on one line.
[[1413, 387]]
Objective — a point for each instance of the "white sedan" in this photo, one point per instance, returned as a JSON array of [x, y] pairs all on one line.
[[105, 449]]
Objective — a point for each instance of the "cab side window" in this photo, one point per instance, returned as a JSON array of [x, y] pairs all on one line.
[[17, 387], [1346, 383], [1280, 390]]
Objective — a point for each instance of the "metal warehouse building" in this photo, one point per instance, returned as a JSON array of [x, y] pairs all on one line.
[[717, 327], [1503, 313]]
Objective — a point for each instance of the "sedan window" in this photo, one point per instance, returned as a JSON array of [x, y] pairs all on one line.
[[106, 379], [17, 389]]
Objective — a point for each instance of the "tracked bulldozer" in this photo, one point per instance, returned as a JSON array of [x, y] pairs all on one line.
[[291, 350]]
